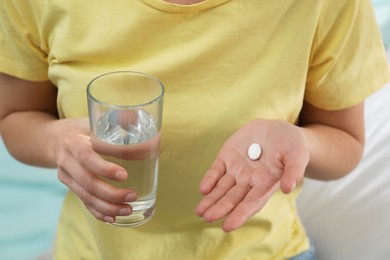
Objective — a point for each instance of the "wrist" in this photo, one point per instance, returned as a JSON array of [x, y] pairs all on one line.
[[333, 153]]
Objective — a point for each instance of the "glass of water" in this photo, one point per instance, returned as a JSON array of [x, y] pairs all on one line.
[[125, 114]]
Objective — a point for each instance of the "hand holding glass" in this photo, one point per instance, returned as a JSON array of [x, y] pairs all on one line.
[[125, 114]]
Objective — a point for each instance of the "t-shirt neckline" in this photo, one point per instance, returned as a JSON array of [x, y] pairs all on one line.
[[178, 8]]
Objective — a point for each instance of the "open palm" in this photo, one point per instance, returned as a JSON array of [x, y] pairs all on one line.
[[236, 188]]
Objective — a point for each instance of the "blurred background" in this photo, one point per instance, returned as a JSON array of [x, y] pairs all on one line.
[[30, 203]]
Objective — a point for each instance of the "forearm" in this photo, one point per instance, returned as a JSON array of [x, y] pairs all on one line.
[[333, 152], [335, 140], [30, 137]]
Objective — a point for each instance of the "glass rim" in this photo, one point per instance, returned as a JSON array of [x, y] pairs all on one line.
[[155, 100]]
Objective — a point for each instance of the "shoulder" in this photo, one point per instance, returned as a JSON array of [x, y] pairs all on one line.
[[340, 10], [22, 9], [345, 20], [21, 15], [21, 51]]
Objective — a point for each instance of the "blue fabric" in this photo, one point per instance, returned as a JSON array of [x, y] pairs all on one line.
[[308, 255], [30, 201]]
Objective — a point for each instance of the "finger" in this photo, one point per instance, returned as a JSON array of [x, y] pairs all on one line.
[[125, 210], [100, 216], [294, 171], [95, 185], [212, 176], [101, 209], [289, 179], [252, 203], [222, 187], [98, 207], [227, 203], [93, 162]]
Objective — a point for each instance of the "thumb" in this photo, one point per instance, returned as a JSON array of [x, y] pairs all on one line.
[[294, 172]]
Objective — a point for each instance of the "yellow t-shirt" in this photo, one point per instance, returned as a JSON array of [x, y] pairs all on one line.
[[223, 63]]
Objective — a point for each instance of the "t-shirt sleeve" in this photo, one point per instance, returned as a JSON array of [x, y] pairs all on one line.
[[22, 51], [348, 58]]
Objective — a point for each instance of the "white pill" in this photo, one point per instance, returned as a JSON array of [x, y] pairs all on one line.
[[254, 151]]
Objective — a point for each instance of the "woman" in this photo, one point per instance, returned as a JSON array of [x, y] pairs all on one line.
[[291, 76]]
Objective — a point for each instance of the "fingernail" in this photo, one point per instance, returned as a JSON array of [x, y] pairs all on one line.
[[293, 186], [121, 175], [109, 219], [124, 212], [131, 197]]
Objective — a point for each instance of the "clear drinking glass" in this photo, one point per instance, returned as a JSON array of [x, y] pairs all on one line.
[[125, 114]]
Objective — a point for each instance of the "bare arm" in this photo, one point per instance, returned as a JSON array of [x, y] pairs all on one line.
[[34, 135], [27, 113], [335, 140]]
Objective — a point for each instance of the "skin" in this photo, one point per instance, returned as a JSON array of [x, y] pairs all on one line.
[[234, 188]]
